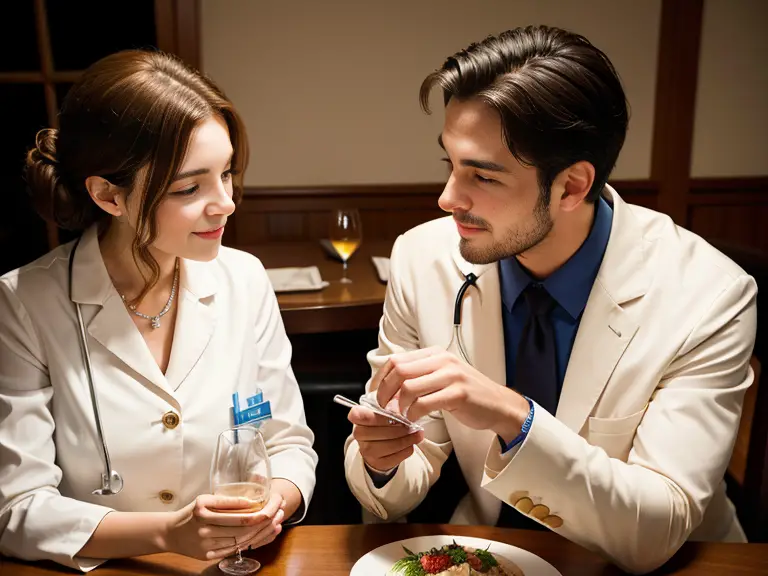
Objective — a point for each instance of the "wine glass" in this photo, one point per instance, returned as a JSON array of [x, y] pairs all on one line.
[[346, 235], [241, 468]]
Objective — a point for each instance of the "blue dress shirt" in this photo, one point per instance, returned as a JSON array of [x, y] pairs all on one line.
[[569, 286]]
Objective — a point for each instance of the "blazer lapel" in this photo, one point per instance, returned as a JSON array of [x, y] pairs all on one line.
[[114, 329], [481, 328], [482, 333], [606, 329], [111, 324], [195, 321]]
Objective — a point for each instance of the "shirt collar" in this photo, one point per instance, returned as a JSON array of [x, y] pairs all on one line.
[[570, 284]]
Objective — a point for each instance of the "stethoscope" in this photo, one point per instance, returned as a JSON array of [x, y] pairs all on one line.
[[111, 481], [469, 280]]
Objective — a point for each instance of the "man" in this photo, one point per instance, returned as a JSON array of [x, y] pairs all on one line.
[[607, 350]]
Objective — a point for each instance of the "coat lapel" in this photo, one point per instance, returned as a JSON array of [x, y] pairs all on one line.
[[606, 329], [482, 332], [110, 324], [481, 324], [195, 321]]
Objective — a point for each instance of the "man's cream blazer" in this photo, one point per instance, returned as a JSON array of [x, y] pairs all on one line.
[[632, 464]]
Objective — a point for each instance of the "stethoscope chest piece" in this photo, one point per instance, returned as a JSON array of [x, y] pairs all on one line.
[[110, 485]]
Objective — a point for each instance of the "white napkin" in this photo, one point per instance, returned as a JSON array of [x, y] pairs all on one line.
[[382, 267], [296, 279]]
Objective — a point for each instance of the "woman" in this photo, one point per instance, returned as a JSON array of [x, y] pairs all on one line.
[[147, 163]]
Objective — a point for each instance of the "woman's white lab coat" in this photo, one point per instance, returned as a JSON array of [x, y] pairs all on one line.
[[229, 337]]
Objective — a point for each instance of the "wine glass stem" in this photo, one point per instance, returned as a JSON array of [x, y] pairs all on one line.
[[345, 268]]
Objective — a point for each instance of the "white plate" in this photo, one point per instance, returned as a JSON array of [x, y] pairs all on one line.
[[378, 562], [296, 279]]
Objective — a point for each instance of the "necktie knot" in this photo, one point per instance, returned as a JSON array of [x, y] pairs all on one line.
[[538, 299]]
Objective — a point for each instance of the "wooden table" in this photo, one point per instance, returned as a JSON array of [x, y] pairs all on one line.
[[338, 307], [333, 550]]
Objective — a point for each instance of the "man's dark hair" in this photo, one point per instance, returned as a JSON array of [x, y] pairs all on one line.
[[559, 98]]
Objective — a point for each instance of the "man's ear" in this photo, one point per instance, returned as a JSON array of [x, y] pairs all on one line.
[[106, 195], [575, 183]]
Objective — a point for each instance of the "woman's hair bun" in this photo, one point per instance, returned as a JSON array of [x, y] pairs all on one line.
[[50, 195]]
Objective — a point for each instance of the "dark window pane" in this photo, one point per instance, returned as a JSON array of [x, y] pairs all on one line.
[[61, 92], [18, 42], [22, 232], [83, 32]]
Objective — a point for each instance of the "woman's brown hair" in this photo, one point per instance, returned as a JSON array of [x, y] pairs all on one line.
[[131, 109]]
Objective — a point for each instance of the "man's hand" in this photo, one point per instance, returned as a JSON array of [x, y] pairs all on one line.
[[433, 379], [382, 445]]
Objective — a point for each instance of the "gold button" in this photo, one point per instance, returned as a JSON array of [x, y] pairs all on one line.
[[516, 496], [170, 420], [524, 505], [539, 511], [166, 496], [553, 521]]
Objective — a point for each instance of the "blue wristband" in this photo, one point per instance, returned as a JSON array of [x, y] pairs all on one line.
[[523, 430]]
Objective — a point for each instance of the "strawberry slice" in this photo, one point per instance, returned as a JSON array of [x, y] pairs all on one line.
[[435, 563], [474, 562]]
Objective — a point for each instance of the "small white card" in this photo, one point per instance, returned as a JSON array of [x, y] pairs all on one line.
[[382, 267], [296, 279]]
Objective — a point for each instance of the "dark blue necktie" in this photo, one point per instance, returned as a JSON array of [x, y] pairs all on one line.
[[536, 360], [535, 375]]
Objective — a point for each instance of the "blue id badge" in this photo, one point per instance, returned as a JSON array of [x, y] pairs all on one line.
[[256, 412]]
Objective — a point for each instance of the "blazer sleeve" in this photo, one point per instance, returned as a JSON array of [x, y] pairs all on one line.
[[287, 437], [417, 473], [639, 512], [36, 521]]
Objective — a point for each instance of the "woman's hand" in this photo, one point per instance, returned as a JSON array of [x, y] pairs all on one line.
[[199, 532]]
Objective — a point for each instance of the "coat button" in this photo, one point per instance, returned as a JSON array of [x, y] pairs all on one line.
[[524, 505], [170, 420], [539, 511], [166, 496], [515, 497], [553, 521]]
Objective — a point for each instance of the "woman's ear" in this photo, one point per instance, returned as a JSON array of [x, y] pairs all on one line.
[[106, 195]]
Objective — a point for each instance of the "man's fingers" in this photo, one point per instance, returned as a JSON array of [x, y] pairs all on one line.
[[383, 448], [401, 371], [391, 364], [389, 462], [377, 433], [447, 399], [362, 416], [421, 386]]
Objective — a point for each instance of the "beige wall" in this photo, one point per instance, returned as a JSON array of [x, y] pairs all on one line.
[[731, 123], [329, 89]]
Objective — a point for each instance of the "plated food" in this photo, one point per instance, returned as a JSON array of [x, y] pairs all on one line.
[[454, 560]]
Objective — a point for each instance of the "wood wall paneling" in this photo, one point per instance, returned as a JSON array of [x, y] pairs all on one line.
[[178, 29], [731, 209], [292, 214], [676, 78]]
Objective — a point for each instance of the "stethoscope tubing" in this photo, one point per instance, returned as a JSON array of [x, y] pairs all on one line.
[[111, 481]]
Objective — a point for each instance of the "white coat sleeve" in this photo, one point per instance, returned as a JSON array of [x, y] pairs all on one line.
[[36, 521], [417, 473], [287, 437]]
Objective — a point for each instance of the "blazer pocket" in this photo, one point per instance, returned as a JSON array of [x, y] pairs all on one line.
[[615, 435]]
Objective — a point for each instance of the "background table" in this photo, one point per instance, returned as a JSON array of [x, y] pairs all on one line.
[[338, 307], [333, 550]]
